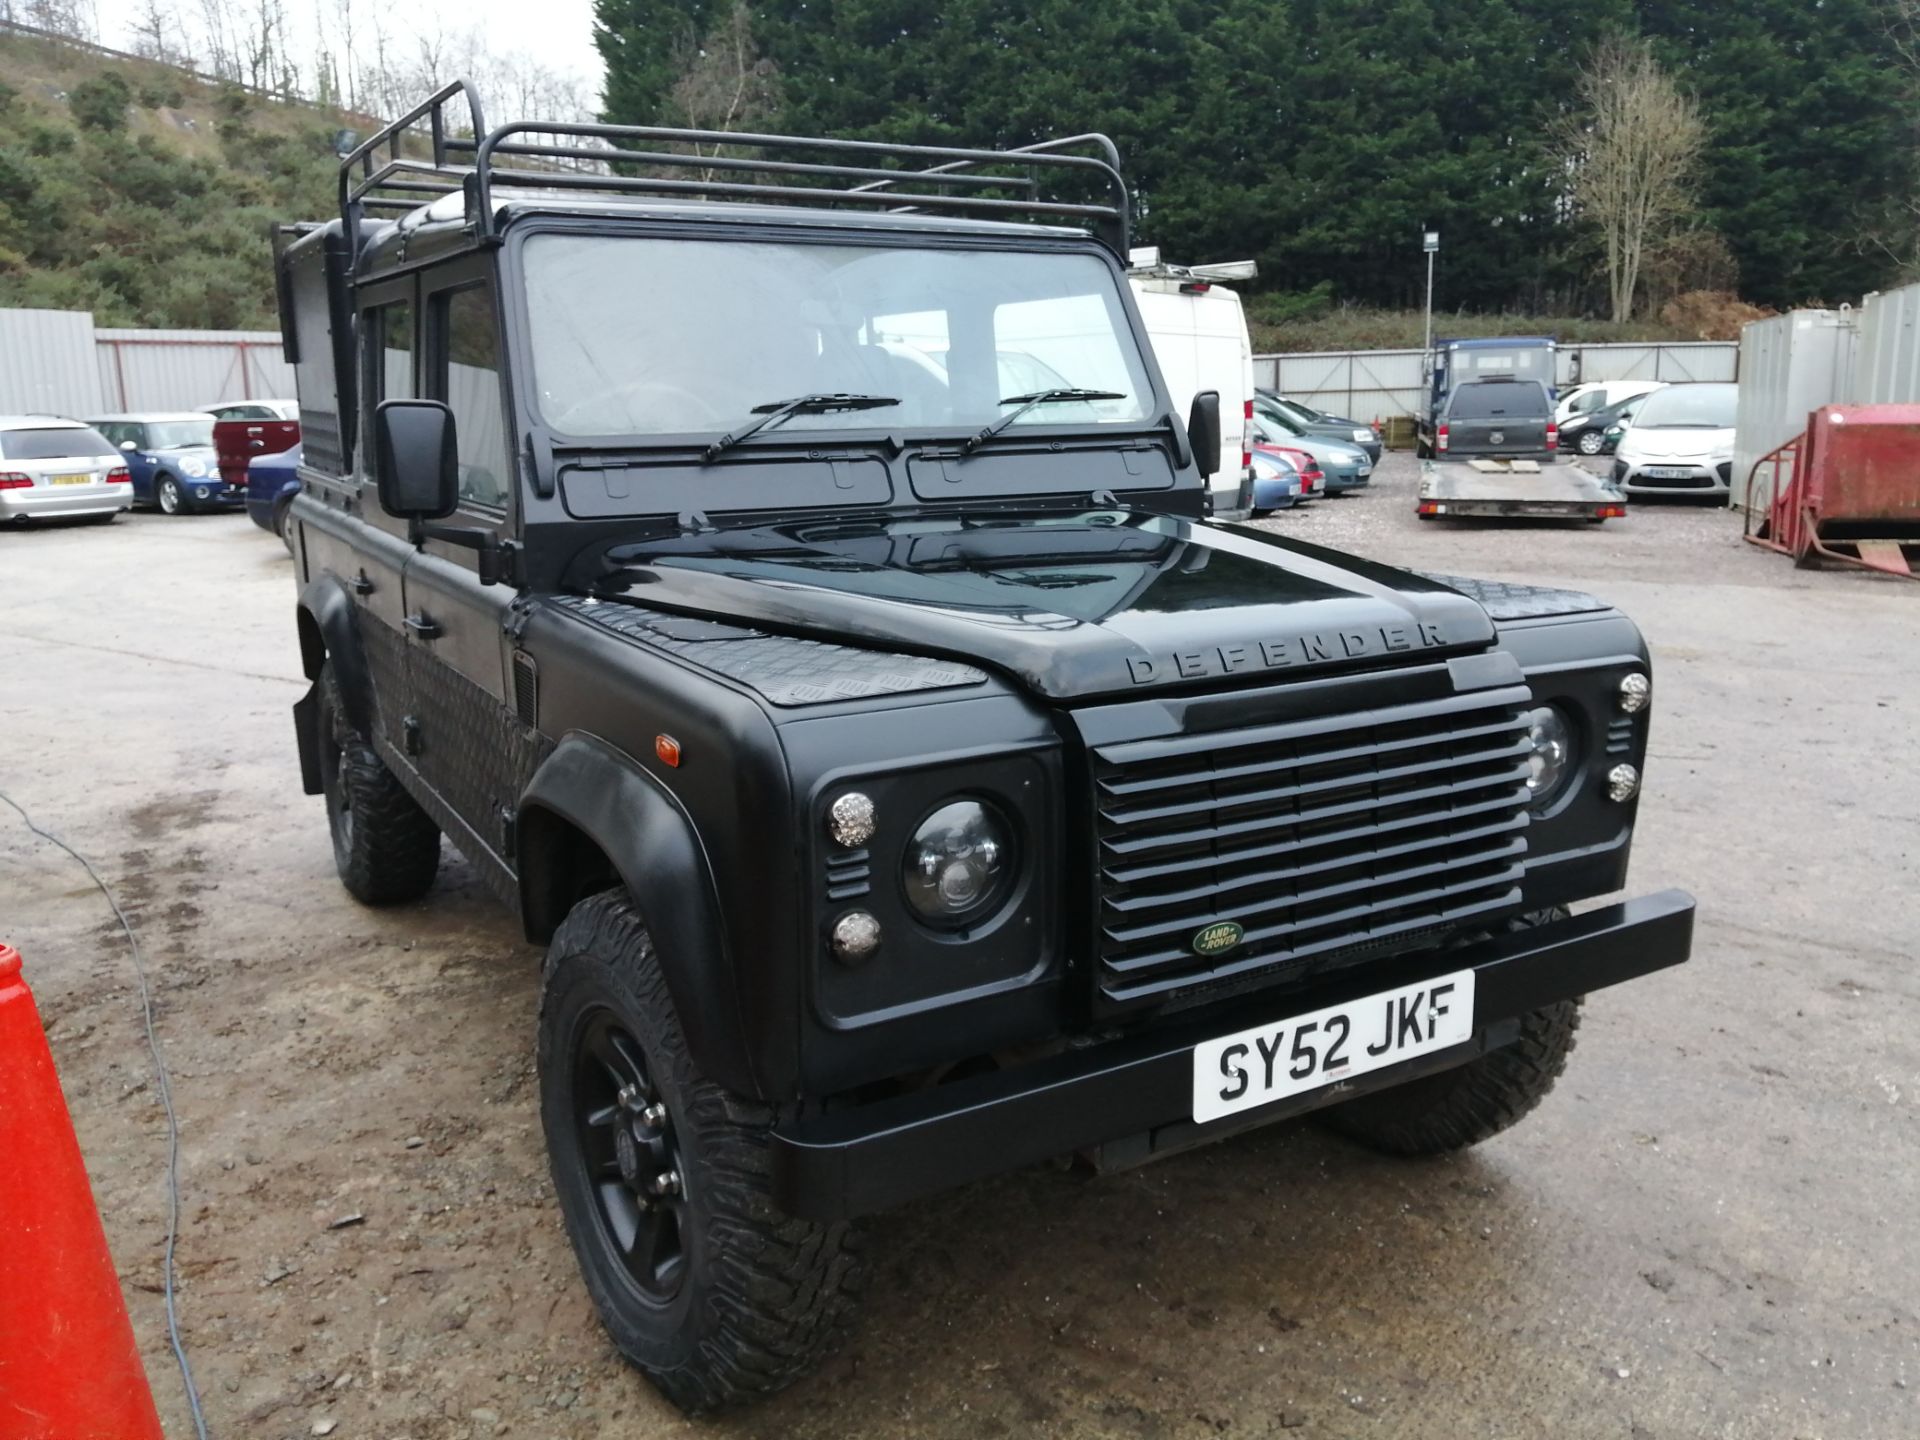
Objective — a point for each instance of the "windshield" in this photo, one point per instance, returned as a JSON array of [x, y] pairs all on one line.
[[1271, 429], [65, 443], [1688, 407], [635, 336], [179, 434]]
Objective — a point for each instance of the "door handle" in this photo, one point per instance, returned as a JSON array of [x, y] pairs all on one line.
[[423, 626]]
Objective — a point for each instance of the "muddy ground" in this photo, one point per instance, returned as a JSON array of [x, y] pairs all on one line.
[[1707, 1230]]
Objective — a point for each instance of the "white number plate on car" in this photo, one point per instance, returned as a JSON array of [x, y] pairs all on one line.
[[1255, 1067], [1669, 472]]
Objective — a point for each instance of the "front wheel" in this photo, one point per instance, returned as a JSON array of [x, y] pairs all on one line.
[[385, 846], [167, 495], [708, 1289]]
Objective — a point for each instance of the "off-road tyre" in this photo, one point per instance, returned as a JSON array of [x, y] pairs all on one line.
[[762, 1297], [169, 496], [386, 848], [1461, 1107]]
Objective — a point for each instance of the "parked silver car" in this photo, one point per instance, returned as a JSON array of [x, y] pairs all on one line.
[[58, 469]]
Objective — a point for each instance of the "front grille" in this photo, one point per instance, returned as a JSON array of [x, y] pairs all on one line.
[[1325, 839]]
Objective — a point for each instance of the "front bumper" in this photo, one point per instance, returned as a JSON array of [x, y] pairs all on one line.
[[62, 502], [1133, 1095], [219, 494], [1695, 477]]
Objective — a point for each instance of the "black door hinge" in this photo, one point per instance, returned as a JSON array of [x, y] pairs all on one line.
[[514, 623], [361, 584], [424, 626], [410, 734]]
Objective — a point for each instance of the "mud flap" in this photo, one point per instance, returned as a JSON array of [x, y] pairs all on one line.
[[306, 717]]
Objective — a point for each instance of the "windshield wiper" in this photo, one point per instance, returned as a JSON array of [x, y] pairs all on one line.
[[778, 412], [1027, 402]]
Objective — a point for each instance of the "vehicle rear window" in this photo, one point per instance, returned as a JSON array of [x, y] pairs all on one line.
[[1499, 399], [66, 442]]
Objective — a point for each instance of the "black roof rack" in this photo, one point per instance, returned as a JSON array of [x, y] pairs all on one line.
[[380, 175]]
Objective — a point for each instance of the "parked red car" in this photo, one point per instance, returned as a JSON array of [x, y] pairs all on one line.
[[243, 429]]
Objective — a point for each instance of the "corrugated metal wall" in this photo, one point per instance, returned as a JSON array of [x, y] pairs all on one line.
[[47, 363], [59, 362], [1887, 367], [1790, 365], [184, 369], [1369, 383]]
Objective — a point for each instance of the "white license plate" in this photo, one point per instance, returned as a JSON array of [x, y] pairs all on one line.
[[1668, 472], [1256, 1067]]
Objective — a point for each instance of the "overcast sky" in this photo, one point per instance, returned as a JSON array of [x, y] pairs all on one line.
[[558, 33]]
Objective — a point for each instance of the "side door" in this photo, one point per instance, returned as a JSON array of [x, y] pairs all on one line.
[[467, 735], [347, 535]]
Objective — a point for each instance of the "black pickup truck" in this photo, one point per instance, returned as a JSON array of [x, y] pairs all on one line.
[[1497, 419], [907, 782]]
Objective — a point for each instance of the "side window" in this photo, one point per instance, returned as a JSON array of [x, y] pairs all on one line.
[[386, 365], [390, 335], [470, 384], [1592, 400]]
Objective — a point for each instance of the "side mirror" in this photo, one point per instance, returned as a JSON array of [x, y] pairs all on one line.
[[1203, 431], [128, 445], [415, 459]]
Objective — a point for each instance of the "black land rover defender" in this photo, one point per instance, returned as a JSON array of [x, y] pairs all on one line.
[[778, 573]]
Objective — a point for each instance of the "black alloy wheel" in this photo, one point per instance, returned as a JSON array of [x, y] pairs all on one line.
[[626, 1140]]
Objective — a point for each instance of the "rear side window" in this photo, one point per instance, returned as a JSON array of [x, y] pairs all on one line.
[[1499, 400], [63, 443]]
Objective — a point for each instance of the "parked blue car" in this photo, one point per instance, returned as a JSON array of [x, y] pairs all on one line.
[[172, 461], [272, 482]]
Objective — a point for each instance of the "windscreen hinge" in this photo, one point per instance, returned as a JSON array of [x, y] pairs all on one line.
[[695, 522]]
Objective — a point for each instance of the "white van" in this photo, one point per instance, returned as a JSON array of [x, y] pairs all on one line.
[[1199, 335], [1598, 394]]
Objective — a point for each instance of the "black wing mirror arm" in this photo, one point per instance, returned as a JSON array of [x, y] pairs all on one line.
[[498, 559]]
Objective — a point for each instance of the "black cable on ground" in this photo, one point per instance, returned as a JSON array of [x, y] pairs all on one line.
[[166, 1099]]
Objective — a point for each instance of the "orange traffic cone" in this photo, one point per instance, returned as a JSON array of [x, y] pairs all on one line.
[[69, 1368]]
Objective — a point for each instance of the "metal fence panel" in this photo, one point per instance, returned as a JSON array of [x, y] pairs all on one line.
[[1369, 383], [183, 369], [1790, 365], [47, 363], [1356, 383], [1887, 368]]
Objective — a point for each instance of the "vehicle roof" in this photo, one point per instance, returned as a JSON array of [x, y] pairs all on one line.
[[130, 417], [1501, 340], [41, 422]]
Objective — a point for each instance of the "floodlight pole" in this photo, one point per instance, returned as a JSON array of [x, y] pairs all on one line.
[[1430, 242]]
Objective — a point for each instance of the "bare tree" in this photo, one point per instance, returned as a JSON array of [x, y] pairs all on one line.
[[725, 82], [158, 33], [72, 18], [1632, 152]]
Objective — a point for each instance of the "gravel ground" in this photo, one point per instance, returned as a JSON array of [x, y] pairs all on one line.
[[1705, 1231]]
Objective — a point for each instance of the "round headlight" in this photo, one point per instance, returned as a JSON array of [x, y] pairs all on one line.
[[959, 863], [1551, 760]]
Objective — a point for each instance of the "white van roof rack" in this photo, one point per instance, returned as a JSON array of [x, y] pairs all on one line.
[[1145, 261]]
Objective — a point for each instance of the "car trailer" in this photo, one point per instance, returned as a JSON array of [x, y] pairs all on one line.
[[1516, 490], [1852, 491]]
